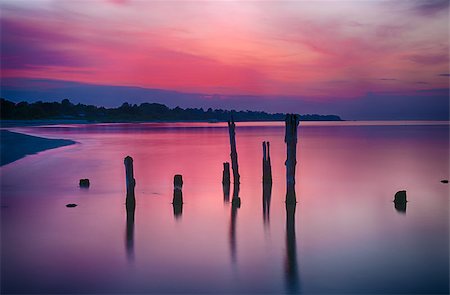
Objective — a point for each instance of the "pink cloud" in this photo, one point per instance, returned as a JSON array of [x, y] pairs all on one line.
[[269, 48]]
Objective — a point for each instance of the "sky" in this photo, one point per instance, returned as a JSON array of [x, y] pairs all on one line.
[[358, 59]]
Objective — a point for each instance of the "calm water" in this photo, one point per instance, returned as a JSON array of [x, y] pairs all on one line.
[[346, 236]]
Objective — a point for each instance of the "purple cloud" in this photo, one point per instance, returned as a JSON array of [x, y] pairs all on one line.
[[430, 7], [24, 45], [428, 59]]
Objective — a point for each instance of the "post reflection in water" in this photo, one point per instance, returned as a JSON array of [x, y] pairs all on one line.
[[267, 195], [226, 192], [129, 236], [291, 267], [234, 207], [400, 207]]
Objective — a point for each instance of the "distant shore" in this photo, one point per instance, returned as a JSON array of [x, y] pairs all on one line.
[[14, 146]]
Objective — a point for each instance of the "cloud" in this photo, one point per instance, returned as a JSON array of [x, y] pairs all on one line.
[[430, 7], [429, 59], [29, 45], [444, 75], [295, 48], [119, 2]]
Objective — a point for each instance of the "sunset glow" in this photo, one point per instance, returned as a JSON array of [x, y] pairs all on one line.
[[313, 50]]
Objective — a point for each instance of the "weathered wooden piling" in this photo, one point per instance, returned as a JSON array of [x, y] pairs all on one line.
[[177, 203], [226, 173], [178, 181], [234, 157], [267, 168], [130, 182], [177, 192], [400, 201], [400, 197], [236, 201], [291, 161]]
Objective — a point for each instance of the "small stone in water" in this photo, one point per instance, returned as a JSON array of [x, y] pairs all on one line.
[[71, 205], [84, 182], [444, 181]]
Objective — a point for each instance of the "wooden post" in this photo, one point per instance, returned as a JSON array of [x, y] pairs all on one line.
[[400, 197], [291, 142], [177, 201], [226, 173], [234, 157], [130, 181], [400, 201], [267, 169], [236, 201], [130, 204], [177, 192]]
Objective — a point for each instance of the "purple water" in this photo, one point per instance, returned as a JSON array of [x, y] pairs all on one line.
[[346, 237]]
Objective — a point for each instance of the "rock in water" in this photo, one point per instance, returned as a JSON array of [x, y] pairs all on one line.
[[400, 197], [444, 181], [84, 182], [71, 205]]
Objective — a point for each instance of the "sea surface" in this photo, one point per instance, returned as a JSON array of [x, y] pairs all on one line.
[[345, 236]]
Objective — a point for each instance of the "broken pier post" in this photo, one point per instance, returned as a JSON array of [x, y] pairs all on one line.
[[290, 138], [400, 201], [267, 168], [234, 157], [234, 162], [130, 182], [177, 201], [226, 182], [226, 174]]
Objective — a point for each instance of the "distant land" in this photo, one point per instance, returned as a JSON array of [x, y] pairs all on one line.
[[14, 146], [421, 104], [65, 110]]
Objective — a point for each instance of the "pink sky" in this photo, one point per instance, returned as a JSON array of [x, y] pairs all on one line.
[[315, 49]]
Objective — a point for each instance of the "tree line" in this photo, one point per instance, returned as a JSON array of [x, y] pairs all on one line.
[[132, 112]]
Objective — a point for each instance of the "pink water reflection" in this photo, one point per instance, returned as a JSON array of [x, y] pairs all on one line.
[[347, 235]]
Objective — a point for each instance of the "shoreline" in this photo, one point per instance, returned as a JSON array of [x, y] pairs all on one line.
[[15, 146]]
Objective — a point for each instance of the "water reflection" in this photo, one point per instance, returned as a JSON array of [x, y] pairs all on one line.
[[267, 195], [400, 207], [226, 192], [129, 236], [234, 208], [290, 267]]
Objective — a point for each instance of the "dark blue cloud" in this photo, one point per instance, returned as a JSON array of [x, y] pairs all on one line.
[[431, 7]]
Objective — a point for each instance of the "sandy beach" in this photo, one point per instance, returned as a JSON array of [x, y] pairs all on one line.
[[14, 146]]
